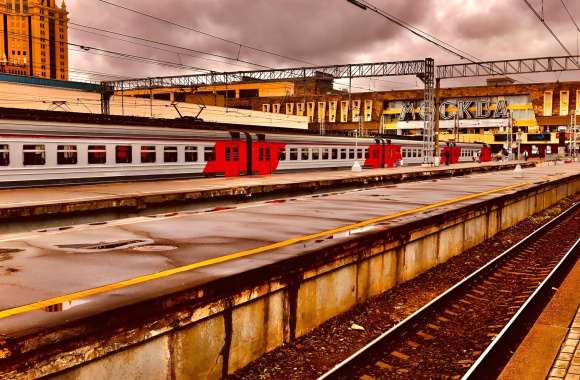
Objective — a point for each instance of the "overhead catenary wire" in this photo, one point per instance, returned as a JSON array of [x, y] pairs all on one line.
[[416, 31], [446, 46], [570, 15], [166, 44], [549, 29], [88, 49], [236, 43]]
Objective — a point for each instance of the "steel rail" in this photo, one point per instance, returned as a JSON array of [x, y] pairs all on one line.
[[342, 368], [516, 325]]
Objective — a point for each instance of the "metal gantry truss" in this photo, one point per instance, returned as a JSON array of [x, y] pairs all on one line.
[[363, 70], [509, 67]]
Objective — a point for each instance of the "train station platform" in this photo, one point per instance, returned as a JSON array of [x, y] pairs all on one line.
[[201, 293], [551, 349], [50, 201]]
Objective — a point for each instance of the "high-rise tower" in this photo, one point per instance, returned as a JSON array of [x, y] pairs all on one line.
[[34, 38]]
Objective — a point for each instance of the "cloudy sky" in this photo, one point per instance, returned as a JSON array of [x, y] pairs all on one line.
[[306, 32]]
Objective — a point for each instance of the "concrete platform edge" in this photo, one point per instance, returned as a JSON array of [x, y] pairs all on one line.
[[137, 202]]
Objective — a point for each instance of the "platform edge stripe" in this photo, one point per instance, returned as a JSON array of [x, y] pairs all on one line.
[[217, 260]]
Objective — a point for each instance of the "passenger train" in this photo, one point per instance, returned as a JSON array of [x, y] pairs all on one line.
[[35, 152]]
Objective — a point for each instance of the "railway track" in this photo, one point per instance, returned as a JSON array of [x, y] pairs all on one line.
[[468, 331]]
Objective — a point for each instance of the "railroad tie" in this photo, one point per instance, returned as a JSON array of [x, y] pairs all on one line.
[[425, 336], [384, 366], [400, 355], [476, 298], [413, 344], [434, 327]]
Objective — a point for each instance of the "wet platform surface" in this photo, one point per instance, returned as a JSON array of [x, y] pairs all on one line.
[[203, 245], [41, 201]]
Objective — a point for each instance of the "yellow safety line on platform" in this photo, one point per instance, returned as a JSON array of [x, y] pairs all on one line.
[[217, 260]]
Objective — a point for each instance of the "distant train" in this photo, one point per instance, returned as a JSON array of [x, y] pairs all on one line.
[[34, 153]]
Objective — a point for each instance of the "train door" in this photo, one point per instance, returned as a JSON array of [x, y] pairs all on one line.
[[229, 159], [485, 154], [392, 155], [374, 158], [265, 157], [232, 159]]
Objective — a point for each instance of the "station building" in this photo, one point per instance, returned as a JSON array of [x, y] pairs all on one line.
[[34, 38], [534, 112]]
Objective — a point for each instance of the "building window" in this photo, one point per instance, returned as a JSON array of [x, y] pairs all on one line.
[[148, 154], [190, 154], [4, 155], [34, 154], [66, 155], [170, 154], [123, 154], [97, 154]]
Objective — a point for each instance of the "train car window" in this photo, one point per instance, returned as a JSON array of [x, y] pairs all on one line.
[[366, 153], [261, 154], [34, 154], [190, 154], [325, 153], [4, 155], [237, 153], [123, 154], [66, 155], [282, 155], [293, 154], [267, 154], [169, 154], [316, 154], [209, 153], [97, 154], [228, 153], [343, 154], [334, 153], [351, 154], [359, 153], [304, 154], [148, 154]]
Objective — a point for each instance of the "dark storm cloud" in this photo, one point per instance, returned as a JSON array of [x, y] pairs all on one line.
[[318, 31]]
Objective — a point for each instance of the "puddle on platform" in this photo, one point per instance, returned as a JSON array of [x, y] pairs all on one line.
[[104, 245], [154, 248]]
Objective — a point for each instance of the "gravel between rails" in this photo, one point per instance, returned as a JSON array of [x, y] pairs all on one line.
[[312, 355]]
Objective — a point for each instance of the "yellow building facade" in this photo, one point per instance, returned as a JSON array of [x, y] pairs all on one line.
[[34, 38]]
